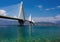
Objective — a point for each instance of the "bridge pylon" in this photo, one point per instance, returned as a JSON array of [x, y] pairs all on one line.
[[21, 14], [30, 20]]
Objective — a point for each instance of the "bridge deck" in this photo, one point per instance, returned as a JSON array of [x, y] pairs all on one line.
[[6, 17]]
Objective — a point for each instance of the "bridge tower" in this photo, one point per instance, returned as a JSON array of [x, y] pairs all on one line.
[[30, 20], [21, 15]]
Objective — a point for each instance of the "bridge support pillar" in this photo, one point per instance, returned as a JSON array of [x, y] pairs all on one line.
[[31, 23], [21, 22]]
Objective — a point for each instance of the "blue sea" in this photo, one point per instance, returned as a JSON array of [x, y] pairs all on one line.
[[16, 33]]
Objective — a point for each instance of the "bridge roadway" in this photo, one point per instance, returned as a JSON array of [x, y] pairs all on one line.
[[13, 18], [6, 17]]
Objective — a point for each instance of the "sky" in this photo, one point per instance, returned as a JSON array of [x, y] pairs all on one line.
[[41, 10]]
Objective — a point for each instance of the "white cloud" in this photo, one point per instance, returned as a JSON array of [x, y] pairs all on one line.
[[47, 9], [44, 19], [58, 6], [40, 6], [47, 19], [3, 12]]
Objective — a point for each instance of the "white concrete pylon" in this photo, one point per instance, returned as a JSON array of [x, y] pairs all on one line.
[[33, 21], [21, 12], [30, 18]]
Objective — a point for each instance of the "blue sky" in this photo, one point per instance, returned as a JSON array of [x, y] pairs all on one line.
[[43, 10]]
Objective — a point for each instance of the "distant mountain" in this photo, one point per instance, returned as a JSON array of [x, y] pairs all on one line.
[[44, 23], [8, 22], [57, 22]]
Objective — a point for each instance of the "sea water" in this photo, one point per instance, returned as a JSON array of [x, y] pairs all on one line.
[[15, 33]]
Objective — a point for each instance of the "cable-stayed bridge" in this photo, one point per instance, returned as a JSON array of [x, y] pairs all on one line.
[[21, 16]]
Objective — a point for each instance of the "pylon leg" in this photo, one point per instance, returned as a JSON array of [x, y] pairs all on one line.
[[31, 23], [21, 22]]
